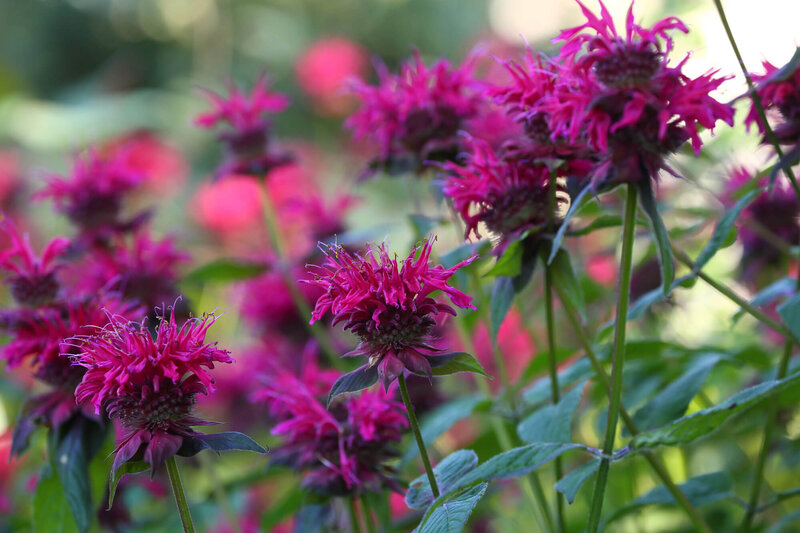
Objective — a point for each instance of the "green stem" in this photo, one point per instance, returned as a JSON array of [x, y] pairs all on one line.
[[661, 472], [365, 510], [180, 497], [412, 419], [762, 116], [279, 244], [617, 358], [351, 507]]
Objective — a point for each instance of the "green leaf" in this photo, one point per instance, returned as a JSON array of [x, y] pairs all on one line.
[[72, 449], [510, 263], [516, 462], [436, 422], [131, 467], [703, 422], [283, 509], [450, 512], [540, 390], [576, 205], [314, 518], [601, 222], [552, 423], [771, 293], [502, 298], [660, 233], [422, 225], [220, 442], [567, 283], [700, 490], [51, 512], [569, 484], [723, 230], [790, 313], [447, 472], [359, 379], [224, 270], [674, 399], [451, 363]]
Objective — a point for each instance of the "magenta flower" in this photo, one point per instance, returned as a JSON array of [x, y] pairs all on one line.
[[344, 449], [388, 306], [150, 383], [91, 197], [33, 281], [619, 94], [246, 133], [779, 90], [506, 194], [415, 115]]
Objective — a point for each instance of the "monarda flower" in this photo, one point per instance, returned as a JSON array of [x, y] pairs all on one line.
[[771, 219], [91, 196], [344, 449], [246, 133], [33, 280], [415, 116], [779, 92], [619, 94], [387, 305], [505, 194], [150, 383]]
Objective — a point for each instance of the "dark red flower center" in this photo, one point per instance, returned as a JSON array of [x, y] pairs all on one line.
[[627, 68], [516, 208], [34, 291], [398, 328], [152, 410]]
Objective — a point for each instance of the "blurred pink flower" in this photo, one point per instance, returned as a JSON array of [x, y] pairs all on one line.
[[387, 306], [323, 69], [513, 341], [163, 165], [779, 91], [228, 206]]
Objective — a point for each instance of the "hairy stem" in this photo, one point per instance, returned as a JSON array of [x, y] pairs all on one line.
[[617, 358], [180, 496], [412, 419]]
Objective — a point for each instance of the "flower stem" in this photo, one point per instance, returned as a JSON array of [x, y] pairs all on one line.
[[412, 419], [762, 116], [279, 245], [661, 472], [351, 506], [367, 514], [618, 356], [180, 497]]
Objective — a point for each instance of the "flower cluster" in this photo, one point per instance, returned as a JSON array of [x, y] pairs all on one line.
[[247, 130], [149, 382], [344, 449], [388, 306], [415, 116]]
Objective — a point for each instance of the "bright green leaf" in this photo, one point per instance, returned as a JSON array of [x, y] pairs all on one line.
[[510, 263], [224, 270], [456, 362], [131, 467]]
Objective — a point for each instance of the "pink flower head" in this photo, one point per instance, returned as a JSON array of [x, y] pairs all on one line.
[[162, 165], [779, 90], [387, 305], [33, 281], [619, 94], [508, 195], [92, 195], [247, 132], [773, 214], [417, 113], [344, 449], [323, 69], [149, 382]]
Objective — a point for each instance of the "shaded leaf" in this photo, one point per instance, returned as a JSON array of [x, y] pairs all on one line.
[[567, 283], [660, 233], [703, 422], [285, 508], [451, 513], [219, 442], [131, 467], [770, 294], [540, 391], [447, 472], [422, 225], [359, 379], [50, 508], [451, 363], [502, 298], [224, 270], [314, 518], [575, 206], [723, 229], [790, 313], [552, 423], [569, 484], [601, 222], [510, 263]]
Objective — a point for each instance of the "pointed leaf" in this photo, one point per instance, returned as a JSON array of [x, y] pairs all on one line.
[[510, 263], [576, 205], [451, 363], [660, 233], [569, 484], [450, 512], [51, 512], [131, 467], [358, 379], [673, 400], [790, 313], [567, 283], [700, 490], [447, 472], [502, 298], [782, 288], [224, 270], [552, 423], [220, 442], [540, 391], [723, 229], [703, 422]]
